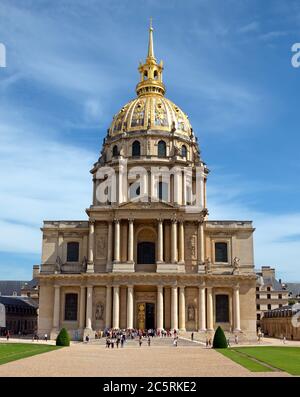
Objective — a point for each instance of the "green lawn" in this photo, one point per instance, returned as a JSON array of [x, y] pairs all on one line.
[[15, 351], [282, 358]]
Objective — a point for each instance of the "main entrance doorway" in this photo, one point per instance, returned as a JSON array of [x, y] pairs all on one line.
[[146, 315]]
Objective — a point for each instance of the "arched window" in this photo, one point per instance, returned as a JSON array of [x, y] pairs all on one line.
[[71, 303], [136, 149], [161, 149], [115, 151], [155, 75], [73, 251], [222, 309], [183, 151]]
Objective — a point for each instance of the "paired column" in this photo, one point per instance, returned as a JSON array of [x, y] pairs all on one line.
[[174, 255], [181, 241], [130, 307], [117, 241], [160, 253], [89, 307], [116, 307], [202, 316], [108, 306], [56, 307], [210, 318], [130, 240], [160, 307], [109, 245], [90, 265], [181, 309], [82, 307], [236, 309], [174, 308]]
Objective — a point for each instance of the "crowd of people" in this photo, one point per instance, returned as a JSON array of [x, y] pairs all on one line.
[[118, 337]]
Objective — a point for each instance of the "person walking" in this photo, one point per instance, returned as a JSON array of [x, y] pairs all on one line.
[[149, 341], [46, 338], [7, 335], [192, 336], [140, 340]]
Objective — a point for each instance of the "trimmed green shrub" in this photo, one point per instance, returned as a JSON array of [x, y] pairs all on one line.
[[63, 338], [220, 341]]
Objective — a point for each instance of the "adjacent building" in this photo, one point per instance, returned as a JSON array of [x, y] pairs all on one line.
[[21, 315], [148, 256], [270, 292], [282, 322]]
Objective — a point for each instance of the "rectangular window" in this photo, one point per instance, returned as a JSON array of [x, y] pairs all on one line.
[[257, 296], [221, 252], [269, 296], [71, 302], [269, 307], [222, 309], [279, 296], [73, 251], [258, 317], [257, 307]]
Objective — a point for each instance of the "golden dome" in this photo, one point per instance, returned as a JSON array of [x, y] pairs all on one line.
[[150, 110]]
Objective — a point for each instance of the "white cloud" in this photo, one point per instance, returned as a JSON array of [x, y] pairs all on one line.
[[39, 179]]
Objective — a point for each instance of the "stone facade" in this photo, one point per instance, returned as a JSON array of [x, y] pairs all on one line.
[[148, 257]]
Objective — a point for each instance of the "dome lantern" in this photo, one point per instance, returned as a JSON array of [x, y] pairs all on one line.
[[150, 72]]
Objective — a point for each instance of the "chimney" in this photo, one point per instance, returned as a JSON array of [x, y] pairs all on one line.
[[35, 271]]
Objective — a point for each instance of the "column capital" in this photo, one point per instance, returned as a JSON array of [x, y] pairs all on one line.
[[92, 221], [56, 286], [130, 220], [236, 287], [116, 220]]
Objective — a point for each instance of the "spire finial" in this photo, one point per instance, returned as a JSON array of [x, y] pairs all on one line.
[[150, 45]]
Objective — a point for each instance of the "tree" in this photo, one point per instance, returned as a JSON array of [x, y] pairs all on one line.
[[63, 338], [220, 341]]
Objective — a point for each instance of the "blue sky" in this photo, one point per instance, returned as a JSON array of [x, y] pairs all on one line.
[[71, 65]]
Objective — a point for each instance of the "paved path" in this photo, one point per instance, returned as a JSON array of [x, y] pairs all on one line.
[[161, 359]]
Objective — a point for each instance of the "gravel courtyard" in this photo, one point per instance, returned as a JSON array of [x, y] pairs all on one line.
[[160, 359]]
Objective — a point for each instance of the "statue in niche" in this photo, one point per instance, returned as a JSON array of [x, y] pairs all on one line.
[[99, 311], [191, 313]]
